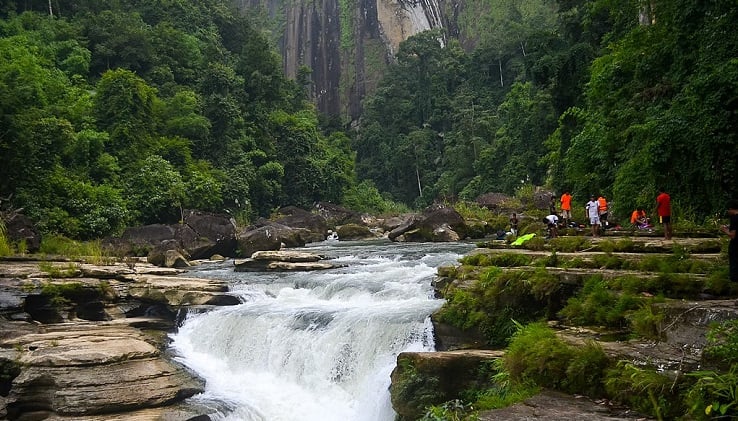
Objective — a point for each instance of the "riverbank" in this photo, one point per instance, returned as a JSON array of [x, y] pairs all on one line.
[[635, 321]]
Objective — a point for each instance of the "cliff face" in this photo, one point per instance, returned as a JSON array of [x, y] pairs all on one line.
[[346, 43]]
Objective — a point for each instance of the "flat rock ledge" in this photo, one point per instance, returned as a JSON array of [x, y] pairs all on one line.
[[283, 260], [556, 406], [87, 342]]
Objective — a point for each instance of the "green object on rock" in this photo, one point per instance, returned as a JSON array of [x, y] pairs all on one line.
[[522, 239]]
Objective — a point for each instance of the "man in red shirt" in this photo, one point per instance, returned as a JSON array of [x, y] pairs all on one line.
[[663, 210], [566, 208]]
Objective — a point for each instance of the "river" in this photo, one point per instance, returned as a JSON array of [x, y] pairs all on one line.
[[319, 345]]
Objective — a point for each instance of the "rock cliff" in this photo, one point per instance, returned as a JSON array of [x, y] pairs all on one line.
[[346, 43]]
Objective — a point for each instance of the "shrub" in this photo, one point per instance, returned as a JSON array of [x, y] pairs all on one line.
[[644, 390], [537, 355], [714, 394], [6, 248], [596, 304], [647, 323], [570, 244]]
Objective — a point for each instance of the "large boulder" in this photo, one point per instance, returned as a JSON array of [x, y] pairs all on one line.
[[315, 224], [218, 229], [437, 224], [354, 232], [422, 379], [337, 215], [270, 237], [19, 228], [200, 236], [93, 369], [493, 201]]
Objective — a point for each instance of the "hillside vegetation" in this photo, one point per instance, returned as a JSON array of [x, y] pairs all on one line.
[[121, 113]]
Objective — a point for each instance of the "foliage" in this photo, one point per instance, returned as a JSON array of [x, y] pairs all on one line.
[[182, 102], [490, 304], [714, 394], [644, 390], [6, 247], [537, 355], [364, 197], [91, 251], [722, 340], [598, 305], [454, 410]]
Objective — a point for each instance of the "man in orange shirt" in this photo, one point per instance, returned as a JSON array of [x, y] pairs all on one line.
[[663, 210], [566, 207], [602, 202]]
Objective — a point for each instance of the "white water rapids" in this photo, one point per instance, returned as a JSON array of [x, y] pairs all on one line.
[[320, 345]]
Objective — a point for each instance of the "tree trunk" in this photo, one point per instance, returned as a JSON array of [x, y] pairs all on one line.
[[502, 83]]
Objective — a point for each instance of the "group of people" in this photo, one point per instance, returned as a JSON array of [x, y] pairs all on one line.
[[597, 212]]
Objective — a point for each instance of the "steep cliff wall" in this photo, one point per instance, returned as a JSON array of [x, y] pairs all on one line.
[[346, 43]]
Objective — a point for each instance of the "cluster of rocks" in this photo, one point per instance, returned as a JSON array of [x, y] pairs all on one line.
[[203, 235]]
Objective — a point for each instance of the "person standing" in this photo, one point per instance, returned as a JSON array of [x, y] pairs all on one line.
[[602, 202], [593, 212], [663, 211], [566, 208], [731, 230]]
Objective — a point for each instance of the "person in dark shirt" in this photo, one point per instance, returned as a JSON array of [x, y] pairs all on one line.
[[514, 224], [731, 230]]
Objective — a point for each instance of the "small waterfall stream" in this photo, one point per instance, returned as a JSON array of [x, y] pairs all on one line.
[[316, 345]]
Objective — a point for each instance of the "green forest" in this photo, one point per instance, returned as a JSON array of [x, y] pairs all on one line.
[[126, 112]]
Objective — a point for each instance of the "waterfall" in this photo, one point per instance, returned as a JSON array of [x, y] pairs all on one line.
[[316, 345]]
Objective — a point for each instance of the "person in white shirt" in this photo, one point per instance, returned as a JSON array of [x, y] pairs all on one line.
[[552, 221], [592, 208]]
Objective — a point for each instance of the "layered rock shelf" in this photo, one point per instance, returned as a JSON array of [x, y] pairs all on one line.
[[538, 283], [85, 341]]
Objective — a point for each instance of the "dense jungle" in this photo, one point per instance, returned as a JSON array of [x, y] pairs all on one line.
[[126, 112]]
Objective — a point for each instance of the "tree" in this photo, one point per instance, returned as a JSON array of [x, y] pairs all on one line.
[[124, 109]]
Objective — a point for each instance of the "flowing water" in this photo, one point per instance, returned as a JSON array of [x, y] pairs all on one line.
[[319, 345]]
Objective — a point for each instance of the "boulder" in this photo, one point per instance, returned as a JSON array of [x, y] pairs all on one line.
[[493, 201], [19, 227], [179, 291], [390, 223], [437, 223], [405, 226], [354, 232], [251, 265], [93, 369], [218, 228], [551, 405], [294, 217], [200, 236], [287, 256], [167, 254], [283, 261], [337, 215], [421, 379], [269, 237]]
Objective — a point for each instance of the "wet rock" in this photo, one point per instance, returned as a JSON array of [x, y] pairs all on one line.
[[283, 261], [421, 379], [354, 232], [267, 237]]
